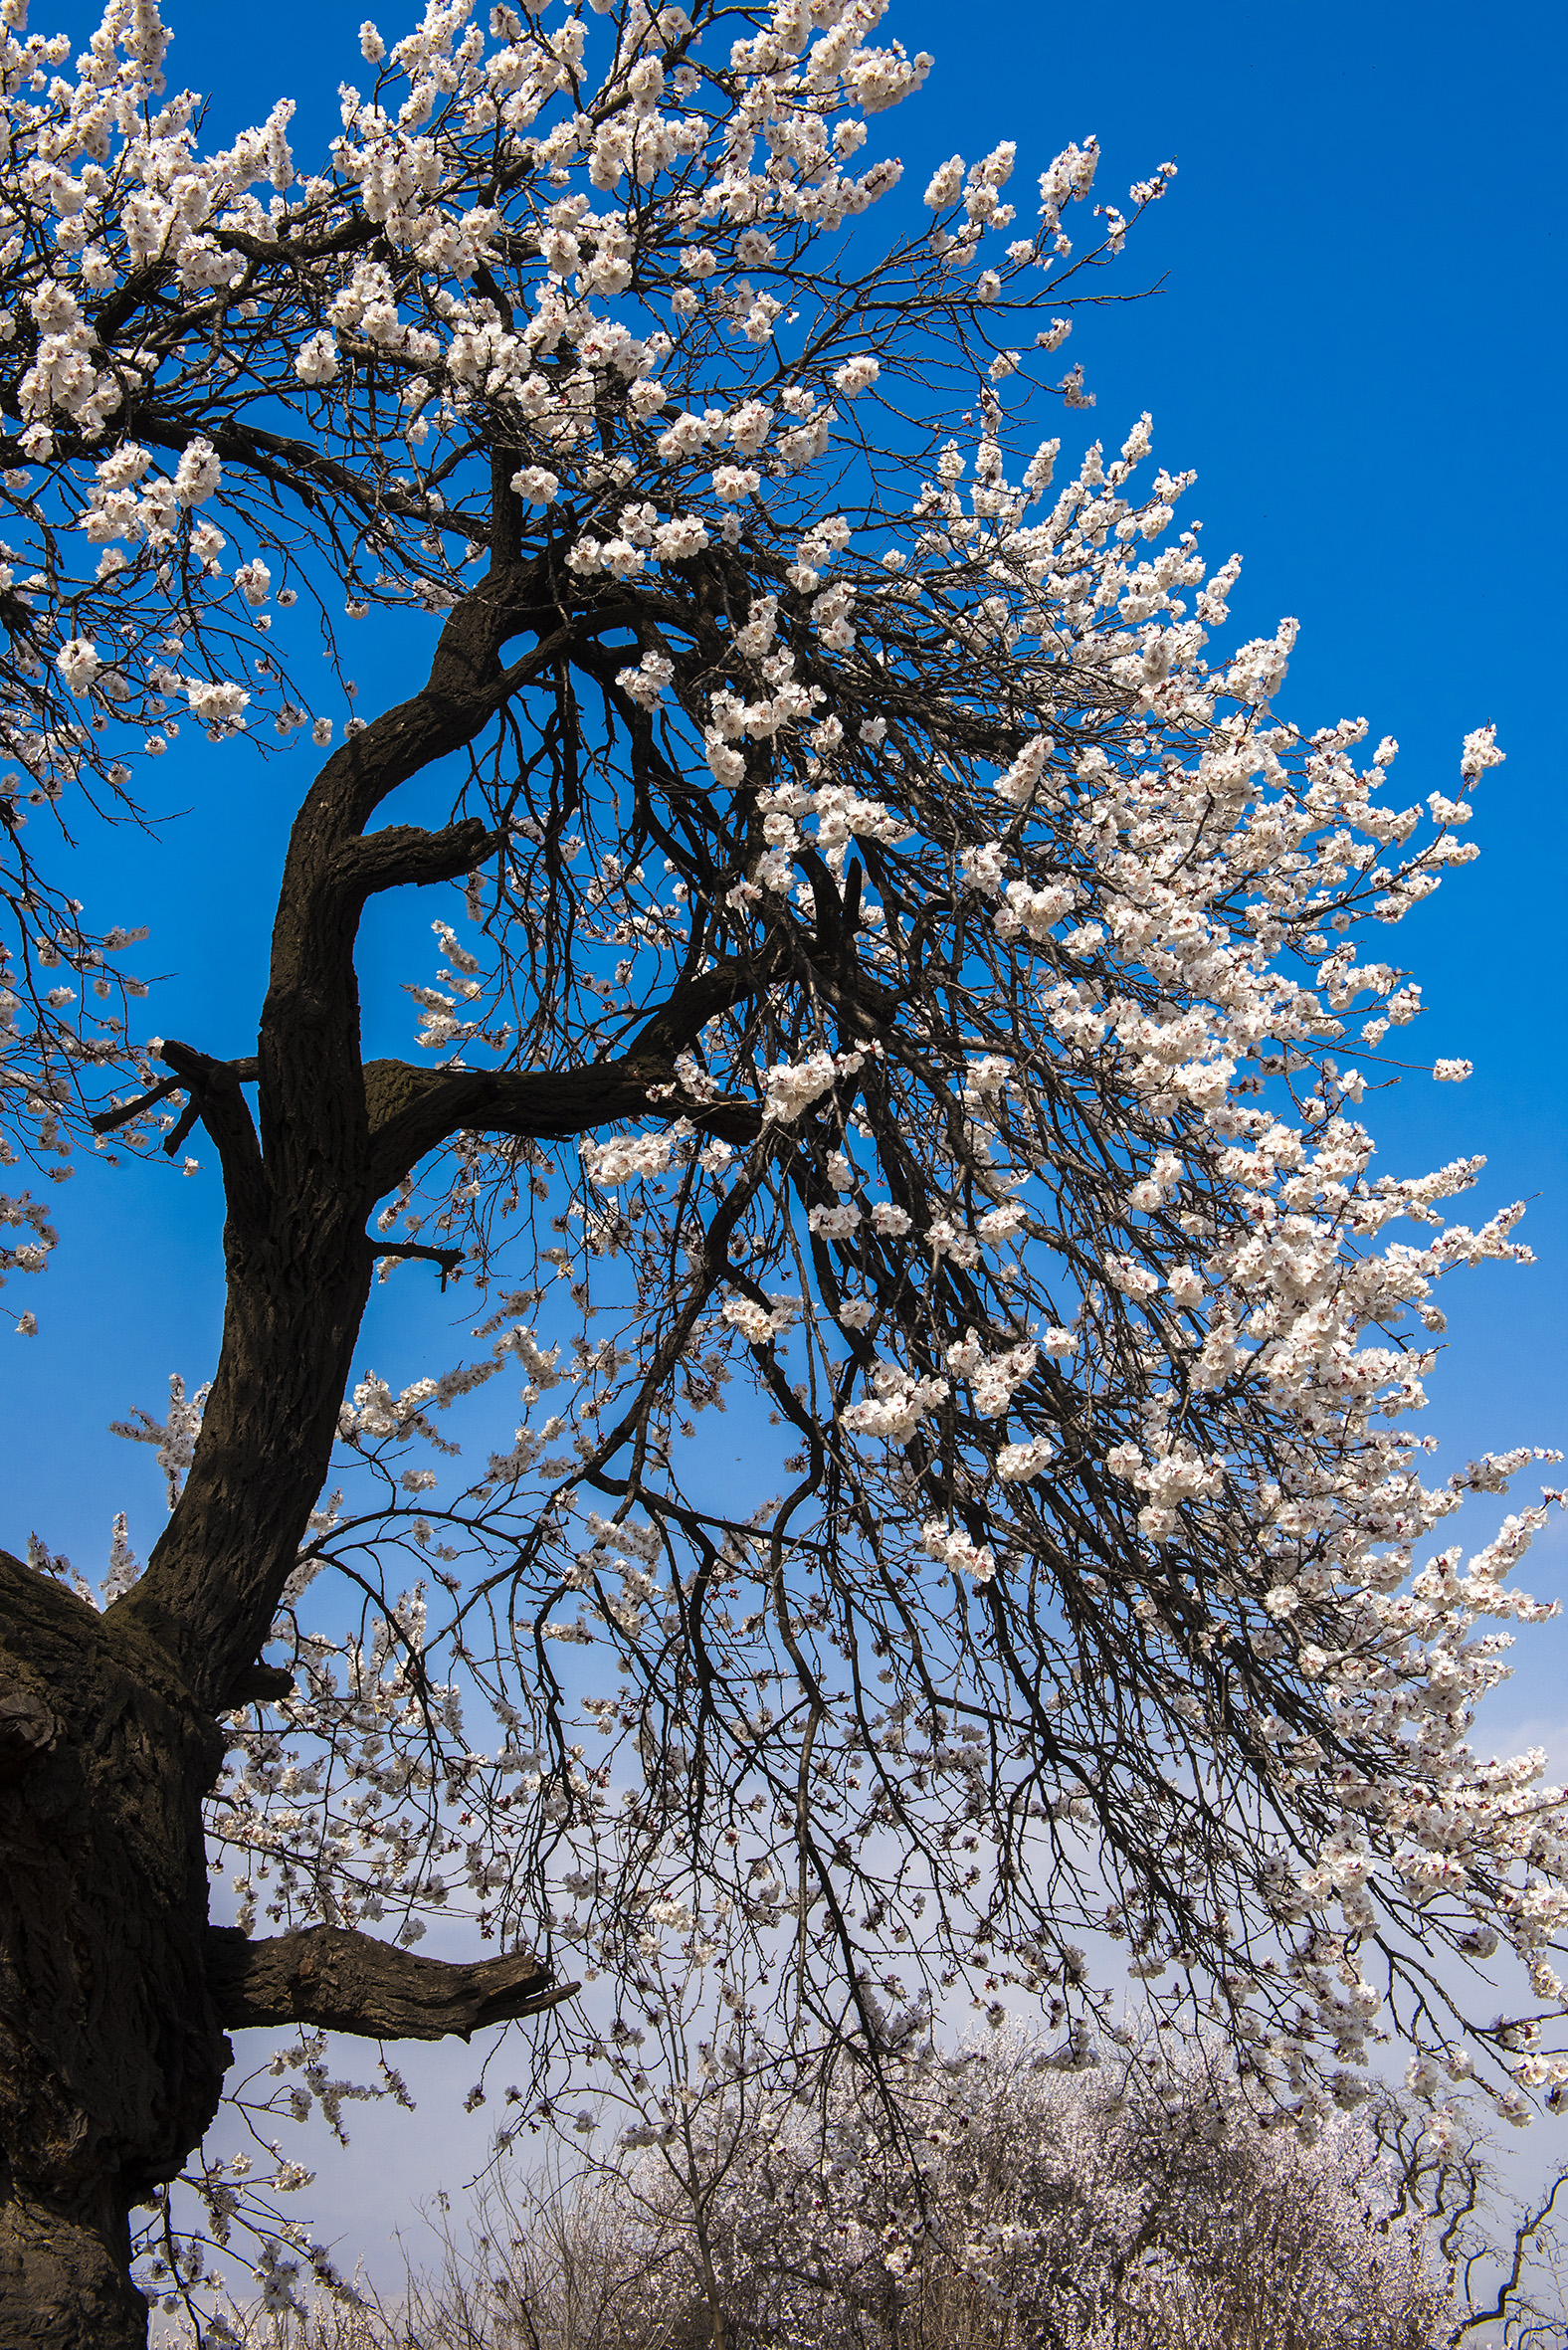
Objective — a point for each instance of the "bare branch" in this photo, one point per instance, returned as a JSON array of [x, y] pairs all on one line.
[[257, 1683], [347, 1982], [1508, 2297], [402, 854], [413, 1109], [216, 1099], [108, 1120], [448, 1258]]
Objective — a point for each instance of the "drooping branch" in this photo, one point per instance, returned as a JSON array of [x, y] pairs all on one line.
[[345, 1982]]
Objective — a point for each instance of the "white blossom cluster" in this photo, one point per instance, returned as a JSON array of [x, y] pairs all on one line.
[[147, 569]]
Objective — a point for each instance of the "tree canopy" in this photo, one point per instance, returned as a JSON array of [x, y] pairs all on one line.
[[925, 987]]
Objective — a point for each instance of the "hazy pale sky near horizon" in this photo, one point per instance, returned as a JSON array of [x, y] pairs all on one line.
[[1357, 341]]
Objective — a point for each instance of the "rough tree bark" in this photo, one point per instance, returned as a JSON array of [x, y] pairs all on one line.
[[113, 1990], [348, 1983], [112, 2055]]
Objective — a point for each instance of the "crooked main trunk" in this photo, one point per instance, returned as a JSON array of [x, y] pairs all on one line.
[[295, 1299], [112, 2054], [114, 1991], [111, 2051]]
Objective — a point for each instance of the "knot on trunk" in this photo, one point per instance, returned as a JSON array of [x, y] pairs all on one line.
[[28, 1730]]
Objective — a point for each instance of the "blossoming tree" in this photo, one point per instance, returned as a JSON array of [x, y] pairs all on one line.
[[923, 981]]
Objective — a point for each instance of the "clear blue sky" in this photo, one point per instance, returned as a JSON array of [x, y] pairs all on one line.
[[1357, 343]]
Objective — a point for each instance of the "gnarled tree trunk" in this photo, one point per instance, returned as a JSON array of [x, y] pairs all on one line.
[[112, 2053], [114, 1991], [111, 2046]]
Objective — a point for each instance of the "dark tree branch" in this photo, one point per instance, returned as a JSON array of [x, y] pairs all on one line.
[[298, 1258], [467, 683], [309, 474], [183, 1127], [403, 855], [216, 1099], [412, 1110], [256, 1684], [107, 1119], [1509, 2299], [544, 1104], [448, 1258], [677, 1024], [347, 1982]]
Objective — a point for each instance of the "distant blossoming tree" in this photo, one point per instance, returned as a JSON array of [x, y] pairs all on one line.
[[1135, 2206], [1128, 2208], [914, 977]]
